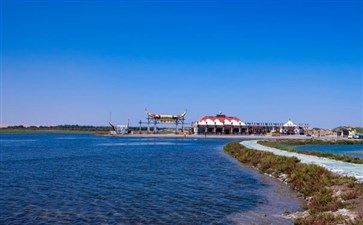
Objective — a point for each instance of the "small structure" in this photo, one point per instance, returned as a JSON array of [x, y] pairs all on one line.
[[291, 128], [165, 119], [287, 128], [119, 129], [219, 124]]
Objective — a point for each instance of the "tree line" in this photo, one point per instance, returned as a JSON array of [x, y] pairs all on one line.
[[60, 127]]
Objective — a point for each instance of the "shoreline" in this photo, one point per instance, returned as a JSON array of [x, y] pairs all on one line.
[[329, 198], [46, 132], [339, 167], [172, 135], [179, 136], [193, 136]]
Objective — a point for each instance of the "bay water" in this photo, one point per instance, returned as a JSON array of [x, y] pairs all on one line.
[[349, 150], [88, 179]]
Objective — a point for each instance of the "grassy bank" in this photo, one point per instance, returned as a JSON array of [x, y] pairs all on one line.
[[325, 193], [291, 144]]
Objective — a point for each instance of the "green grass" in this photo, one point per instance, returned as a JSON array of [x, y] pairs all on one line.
[[290, 145], [312, 182]]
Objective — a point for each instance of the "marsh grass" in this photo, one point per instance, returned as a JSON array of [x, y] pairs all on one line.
[[312, 182]]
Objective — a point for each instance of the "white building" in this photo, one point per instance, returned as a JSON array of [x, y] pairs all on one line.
[[119, 129], [219, 124], [291, 128]]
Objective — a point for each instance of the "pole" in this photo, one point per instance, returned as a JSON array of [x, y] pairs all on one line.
[[148, 125], [183, 125], [176, 126], [155, 121], [140, 127]]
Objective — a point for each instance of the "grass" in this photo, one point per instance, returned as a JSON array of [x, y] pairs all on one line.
[[314, 183], [290, 145]]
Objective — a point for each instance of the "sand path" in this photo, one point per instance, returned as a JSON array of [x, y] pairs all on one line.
[[339, 167]]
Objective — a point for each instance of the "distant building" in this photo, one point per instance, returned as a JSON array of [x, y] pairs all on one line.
[[222, 124], [219, 124], [288, 128], [119, 129], [345, 133], [291, 128]]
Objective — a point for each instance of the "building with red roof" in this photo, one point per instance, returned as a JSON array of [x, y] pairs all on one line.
[[219, 124], [222, 124]]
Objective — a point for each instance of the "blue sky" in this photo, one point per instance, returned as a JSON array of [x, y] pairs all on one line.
[[73, 62]]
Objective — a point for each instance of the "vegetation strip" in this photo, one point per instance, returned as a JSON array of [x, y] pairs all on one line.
[[56, 129], [329, 198], [335, 166], [290, 145]]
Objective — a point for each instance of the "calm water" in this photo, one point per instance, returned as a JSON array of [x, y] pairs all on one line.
[[82, 179], [350, 150]]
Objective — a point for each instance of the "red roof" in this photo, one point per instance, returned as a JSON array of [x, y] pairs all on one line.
[[219, 117]]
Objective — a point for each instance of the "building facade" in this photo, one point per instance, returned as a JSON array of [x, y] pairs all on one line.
[[219, 124], [222, 124]]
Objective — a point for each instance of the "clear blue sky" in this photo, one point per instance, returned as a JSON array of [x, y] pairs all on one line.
[[73, 62]]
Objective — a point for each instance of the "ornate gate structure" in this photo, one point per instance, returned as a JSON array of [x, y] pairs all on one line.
[[165, 119]]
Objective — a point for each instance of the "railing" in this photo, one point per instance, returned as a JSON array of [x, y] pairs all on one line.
[[254, 124]]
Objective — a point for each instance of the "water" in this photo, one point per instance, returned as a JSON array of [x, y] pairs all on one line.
[[349, 150], [82, 179]]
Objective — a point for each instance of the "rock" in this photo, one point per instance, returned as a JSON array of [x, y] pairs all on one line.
[[297, 215]]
